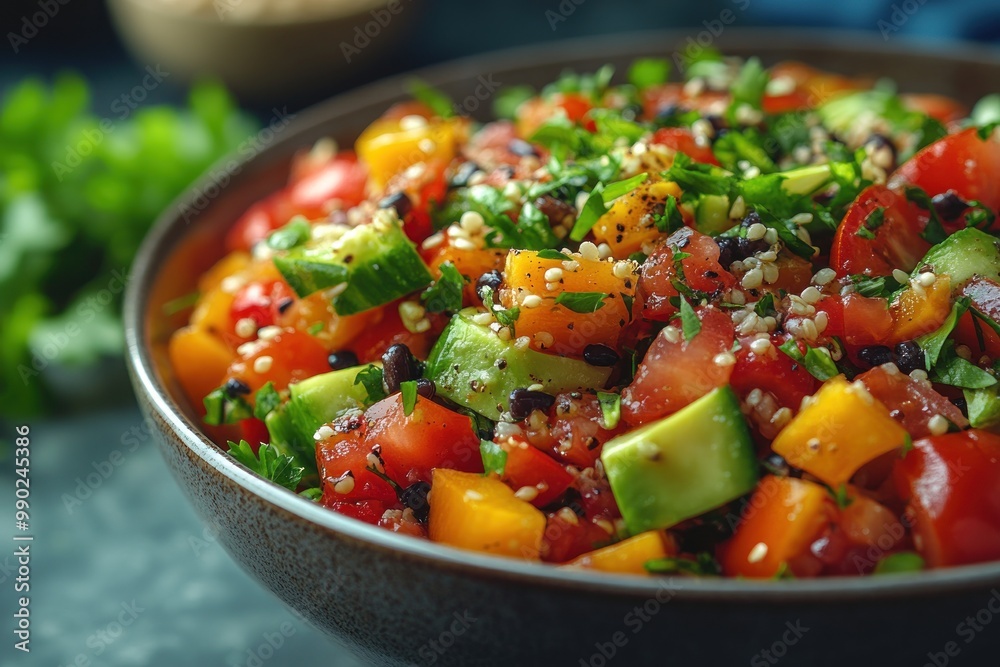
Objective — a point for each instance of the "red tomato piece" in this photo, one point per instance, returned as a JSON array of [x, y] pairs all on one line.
[[961, 162], [566, 538], [343, 178], [985, 297], [857, 320], [677, 372], [259, 301], [774, 372], [576, 430], [952, 483], [683, 141], [897, 243], [702, 272], [529, 466], [910, 402]]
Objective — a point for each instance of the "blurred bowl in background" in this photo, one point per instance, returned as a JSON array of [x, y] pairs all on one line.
[[261, 49]]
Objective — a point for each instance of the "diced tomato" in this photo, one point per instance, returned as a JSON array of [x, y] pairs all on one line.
[[857, 320], [254, 431], [911, 402], [369, 511], [372, 343], [677, 372], [774, 371], [289, 357], [528, 466], [259, 221], [702, 272], [259, 301], [897, 243], [985, 297], [682, 140], [952, 482], [343, 178], [576, 432], [566, 538], [432, 436], [961, 162]]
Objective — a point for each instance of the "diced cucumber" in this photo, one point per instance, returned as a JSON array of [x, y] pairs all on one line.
[[683, 465], [375, 263], [805, 180], [966, 253], [473, 367], [712, 214], [321, 399]]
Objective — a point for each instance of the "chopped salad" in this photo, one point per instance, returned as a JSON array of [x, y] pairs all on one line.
[[731, 322]]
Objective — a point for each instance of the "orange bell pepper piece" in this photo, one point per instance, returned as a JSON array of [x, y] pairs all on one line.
[[629, 224], [200, 361], [919, 310]]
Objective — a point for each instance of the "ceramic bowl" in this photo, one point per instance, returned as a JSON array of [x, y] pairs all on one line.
[[394, 600]]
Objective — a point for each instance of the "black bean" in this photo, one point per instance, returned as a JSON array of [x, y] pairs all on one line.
[[525, 401], [285, 304], [909, 356], [729, 250], [415, 497], [426, 387], [554, 209], [875, 355], [236, 387], [961, 404], [398, 366], [949, 205], [718, 123], [600, 355], [777, 465], [521, 148], [667, 113], [491, 279], [879, 141], [462, 175], [398, 201], [342, 359]]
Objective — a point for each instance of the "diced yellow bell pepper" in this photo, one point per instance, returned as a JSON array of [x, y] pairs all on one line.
[[211, 313], [628, 556], [483, 514], [231, 264], [629, 223], [842, 428], [388, 147], [199, 361]]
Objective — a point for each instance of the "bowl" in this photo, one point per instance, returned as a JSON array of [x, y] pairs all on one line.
[[262, 57], [395, 600]]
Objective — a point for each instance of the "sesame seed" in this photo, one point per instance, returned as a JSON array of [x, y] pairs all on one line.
[[246, 349], [553, 275], [571, 265], [463, 244], [737, 297], [262, 364], [760, 346], [433, 241], [938, 425], [337, 290], [526, 493], [269, 332], [426, 145], [801, 218], [412, 122], [771, 236], [568, 516], [824, 276], [589, 251], [473, 495], [758, 553], [622, 269], [246, 327], [232, 284], [536, 387], [926, 279], [482, 319], [724, 359], [672, 334], [767, 256], [919, 375], [544, 339], [756, 231], [821, 320], [471, 221], [531, 301], [900, 276], [770, 273], [781, 417], [813, 444], [521, 342], [604, 250], [739, 209], [752, 279], [422, 326], [344, 484], [323, 432], [754, 397], [811, 295], [809, 329]]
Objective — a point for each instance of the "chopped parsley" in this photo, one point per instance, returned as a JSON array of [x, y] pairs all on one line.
[[582, 302], [268, 463], [445, 295]]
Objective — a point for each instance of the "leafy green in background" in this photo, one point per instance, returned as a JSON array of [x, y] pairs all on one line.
[[77, 194]]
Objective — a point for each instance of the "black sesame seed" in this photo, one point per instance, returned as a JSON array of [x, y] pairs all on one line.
[[492, 279], [521, 148], [398, 201], [949, 205], [600, 355], [525, 401], [415, 497], [875, 355], [463, 174], [236, 387], [426, 387], [398, 366], [342, 359], [909, 356]]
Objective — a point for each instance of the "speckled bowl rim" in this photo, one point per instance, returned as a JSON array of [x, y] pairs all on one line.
[[170, 228]]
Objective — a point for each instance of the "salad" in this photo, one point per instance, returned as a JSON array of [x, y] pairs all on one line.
[[735, 322]]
